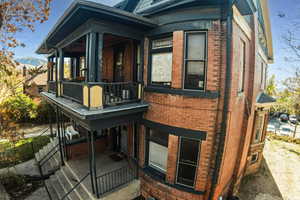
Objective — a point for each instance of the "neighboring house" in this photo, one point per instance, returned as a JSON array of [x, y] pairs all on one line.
[[36, 83], [163, 98]]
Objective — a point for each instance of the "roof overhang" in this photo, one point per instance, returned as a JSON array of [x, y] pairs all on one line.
[[266, 16], [246, 7], [263, 100], [82, 10]]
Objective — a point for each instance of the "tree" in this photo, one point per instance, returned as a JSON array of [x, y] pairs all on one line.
[[271, 86]]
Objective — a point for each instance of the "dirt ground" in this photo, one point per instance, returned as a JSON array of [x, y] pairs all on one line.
[[279, 176]]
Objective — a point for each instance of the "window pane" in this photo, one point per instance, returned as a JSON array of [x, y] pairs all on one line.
[[67, 68], [162, 43], [196, 46], [194, 75], [242, 66], [159, 137], [162, 68], [189, 150], [186, 174], [158, 156]]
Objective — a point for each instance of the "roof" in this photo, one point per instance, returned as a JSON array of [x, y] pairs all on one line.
[[267, 24], [264, 99], [82, 10]]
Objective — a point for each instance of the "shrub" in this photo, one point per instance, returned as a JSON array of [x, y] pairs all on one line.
[[44, 112], [19, 108], [283, 138]]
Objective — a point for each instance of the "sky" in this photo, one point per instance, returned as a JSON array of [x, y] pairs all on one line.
[[281, 68]]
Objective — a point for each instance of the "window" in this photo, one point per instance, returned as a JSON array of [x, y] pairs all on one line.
[[158, 150], [187, 161], [67, 69], [259, 125], [161, 61], [195, 60], [263, 76], [242, 66], [254, 158]]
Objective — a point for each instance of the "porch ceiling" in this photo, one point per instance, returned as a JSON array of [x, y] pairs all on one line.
[[82, 10]]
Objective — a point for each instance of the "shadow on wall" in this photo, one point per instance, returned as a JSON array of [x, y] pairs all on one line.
[[260, 186]]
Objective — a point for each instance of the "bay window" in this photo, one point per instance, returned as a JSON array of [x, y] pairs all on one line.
[[195, 60], [187, 161], [161, 61]]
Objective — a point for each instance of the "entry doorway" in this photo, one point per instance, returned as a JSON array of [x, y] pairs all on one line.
[[118, 64]]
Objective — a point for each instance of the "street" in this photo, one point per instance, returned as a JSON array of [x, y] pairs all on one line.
[[288, 127]]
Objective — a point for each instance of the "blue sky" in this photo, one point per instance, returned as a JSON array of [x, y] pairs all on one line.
[[280, 68]]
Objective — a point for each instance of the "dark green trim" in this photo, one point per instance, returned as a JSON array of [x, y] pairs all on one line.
[[189, 93], [152, 175], [196, 25], [188, 133]]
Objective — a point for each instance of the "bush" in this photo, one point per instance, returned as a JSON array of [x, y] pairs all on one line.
[[283, 138], [19, 108]]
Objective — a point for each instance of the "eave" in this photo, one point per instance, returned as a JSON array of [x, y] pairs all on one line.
[[82, 10]]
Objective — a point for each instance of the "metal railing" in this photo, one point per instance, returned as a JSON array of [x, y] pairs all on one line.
[[75, 186], [114, 179], [119, 93], [52, 86], [73, 91]]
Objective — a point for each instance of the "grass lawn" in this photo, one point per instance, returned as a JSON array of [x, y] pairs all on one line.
[[12, 154]]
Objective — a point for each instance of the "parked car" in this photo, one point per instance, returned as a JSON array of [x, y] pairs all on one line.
[[284, 118], [293, 119], [271, 128], [285, 131]]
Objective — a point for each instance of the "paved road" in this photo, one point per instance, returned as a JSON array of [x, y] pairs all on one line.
[[278, 124]]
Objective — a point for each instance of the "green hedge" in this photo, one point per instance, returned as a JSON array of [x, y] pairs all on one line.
[[283, 138], [11, 154]]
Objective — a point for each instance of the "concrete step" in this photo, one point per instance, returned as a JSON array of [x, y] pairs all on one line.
[[51, 190], [73, 179], [67, 186], [59, 190]]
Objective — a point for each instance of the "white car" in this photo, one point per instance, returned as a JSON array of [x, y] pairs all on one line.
[[293, 119], [271, 128], [285, 131]]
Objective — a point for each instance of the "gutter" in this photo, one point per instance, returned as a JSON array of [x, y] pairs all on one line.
[[220, 139]]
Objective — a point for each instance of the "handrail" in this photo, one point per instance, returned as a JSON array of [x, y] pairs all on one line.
[[75, 186], [48, 154], [114, 179]]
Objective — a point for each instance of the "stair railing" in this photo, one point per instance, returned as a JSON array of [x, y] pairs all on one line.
[[44, 160], [75, 186]]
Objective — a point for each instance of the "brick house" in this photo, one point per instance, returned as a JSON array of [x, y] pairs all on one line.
[[157, 99]]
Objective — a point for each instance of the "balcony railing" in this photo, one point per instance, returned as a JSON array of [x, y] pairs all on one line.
[[73, 91], [99, 95], [114, 179], [52, 86]]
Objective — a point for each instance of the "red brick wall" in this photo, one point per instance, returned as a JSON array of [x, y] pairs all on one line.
[[201, 114]]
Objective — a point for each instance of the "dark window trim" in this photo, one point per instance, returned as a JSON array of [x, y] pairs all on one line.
[[188, 133], [177, 163], [187, 60], [191, 93], [176, 186], [257, 156], [151, 51], [242, 89], [155, 171]]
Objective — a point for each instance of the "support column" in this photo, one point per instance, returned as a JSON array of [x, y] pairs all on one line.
[[61, 64], [94, 162], [90, 161], [59, 136], [99, 52], [56, 73]]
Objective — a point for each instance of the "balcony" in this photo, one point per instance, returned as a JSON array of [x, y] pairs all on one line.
[[99, 95]]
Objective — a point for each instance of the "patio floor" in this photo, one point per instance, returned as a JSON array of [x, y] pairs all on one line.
[[104, 164]]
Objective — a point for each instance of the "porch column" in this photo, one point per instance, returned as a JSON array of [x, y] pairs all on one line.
[[61, 64], [91, 160], [56, 72], [48, 70], [94, 56], [93, 133], [59, 133]]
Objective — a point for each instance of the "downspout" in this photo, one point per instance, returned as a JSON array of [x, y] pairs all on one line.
[[220, 139]]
